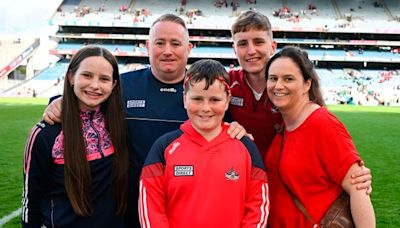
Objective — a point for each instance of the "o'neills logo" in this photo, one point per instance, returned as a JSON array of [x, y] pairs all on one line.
[[168, 90], [174, 146], [183, 170], [237, 101]]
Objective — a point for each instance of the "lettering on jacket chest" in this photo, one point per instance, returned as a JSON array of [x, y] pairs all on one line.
[[237, 101], [168, 90], [183, 170], [188, 170], [136, 103]]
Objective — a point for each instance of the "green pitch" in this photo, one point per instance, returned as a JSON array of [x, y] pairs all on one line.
[[17, 117], [375, 131]]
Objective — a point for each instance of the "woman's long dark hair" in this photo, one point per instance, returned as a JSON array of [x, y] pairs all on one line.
[[77, 170]]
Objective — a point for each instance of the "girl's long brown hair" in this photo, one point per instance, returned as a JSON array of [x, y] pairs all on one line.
[[77, 170]]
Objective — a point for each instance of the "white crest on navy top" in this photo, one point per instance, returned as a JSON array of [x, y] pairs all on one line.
[[136, 103]]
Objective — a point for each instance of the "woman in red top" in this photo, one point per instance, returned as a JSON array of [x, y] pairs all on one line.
[[316, 158]]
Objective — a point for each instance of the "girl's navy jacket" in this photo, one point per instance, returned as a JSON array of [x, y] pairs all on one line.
[[44, 200]]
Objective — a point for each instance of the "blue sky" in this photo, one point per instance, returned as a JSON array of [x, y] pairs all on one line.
[[26, 17]]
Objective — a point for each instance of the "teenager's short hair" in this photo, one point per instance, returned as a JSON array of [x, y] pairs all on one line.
[[251, 19], [209, 70]]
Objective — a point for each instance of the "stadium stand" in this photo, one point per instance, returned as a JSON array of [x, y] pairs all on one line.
[[15, 52], [358, 63]]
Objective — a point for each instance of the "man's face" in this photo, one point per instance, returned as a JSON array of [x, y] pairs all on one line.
[[168, 49], [253, 49]]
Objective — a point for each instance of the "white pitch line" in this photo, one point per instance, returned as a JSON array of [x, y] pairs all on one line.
[[7, 218]]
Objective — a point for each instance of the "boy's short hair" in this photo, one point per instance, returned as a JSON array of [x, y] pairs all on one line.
[[207, 69], [251, 19]]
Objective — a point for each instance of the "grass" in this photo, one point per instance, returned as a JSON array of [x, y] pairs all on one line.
[[17, 117], [375, 131]]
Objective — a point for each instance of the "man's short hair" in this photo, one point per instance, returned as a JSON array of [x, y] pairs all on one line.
[[171, 18], [251, 20]]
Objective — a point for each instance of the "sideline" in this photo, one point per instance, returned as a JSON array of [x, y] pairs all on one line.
[[7, 218]]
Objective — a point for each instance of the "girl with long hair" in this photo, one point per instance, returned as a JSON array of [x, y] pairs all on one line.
[[76, 172]]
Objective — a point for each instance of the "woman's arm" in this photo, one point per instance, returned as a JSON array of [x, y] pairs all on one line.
[[360, 203]]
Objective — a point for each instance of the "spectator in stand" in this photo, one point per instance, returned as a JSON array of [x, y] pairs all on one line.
[[190, 169], [123, 8], [183, 4], [76, 172], [102, 7], [220, 3], [314, 157], [234, 5]]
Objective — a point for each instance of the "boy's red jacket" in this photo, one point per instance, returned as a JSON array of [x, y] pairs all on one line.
[[189, 182]]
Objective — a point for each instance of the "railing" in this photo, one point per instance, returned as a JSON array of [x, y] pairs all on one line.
[[387, 10], [337, 10], [17, 60]]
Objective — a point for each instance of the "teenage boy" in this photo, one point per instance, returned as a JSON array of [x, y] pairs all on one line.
[[253, 45]]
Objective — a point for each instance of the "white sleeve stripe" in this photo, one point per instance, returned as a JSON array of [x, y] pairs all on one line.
[[25, 201], [144, 217], [27, 160], [140, 204], [264, 206], [27, 145], [28, 148]]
